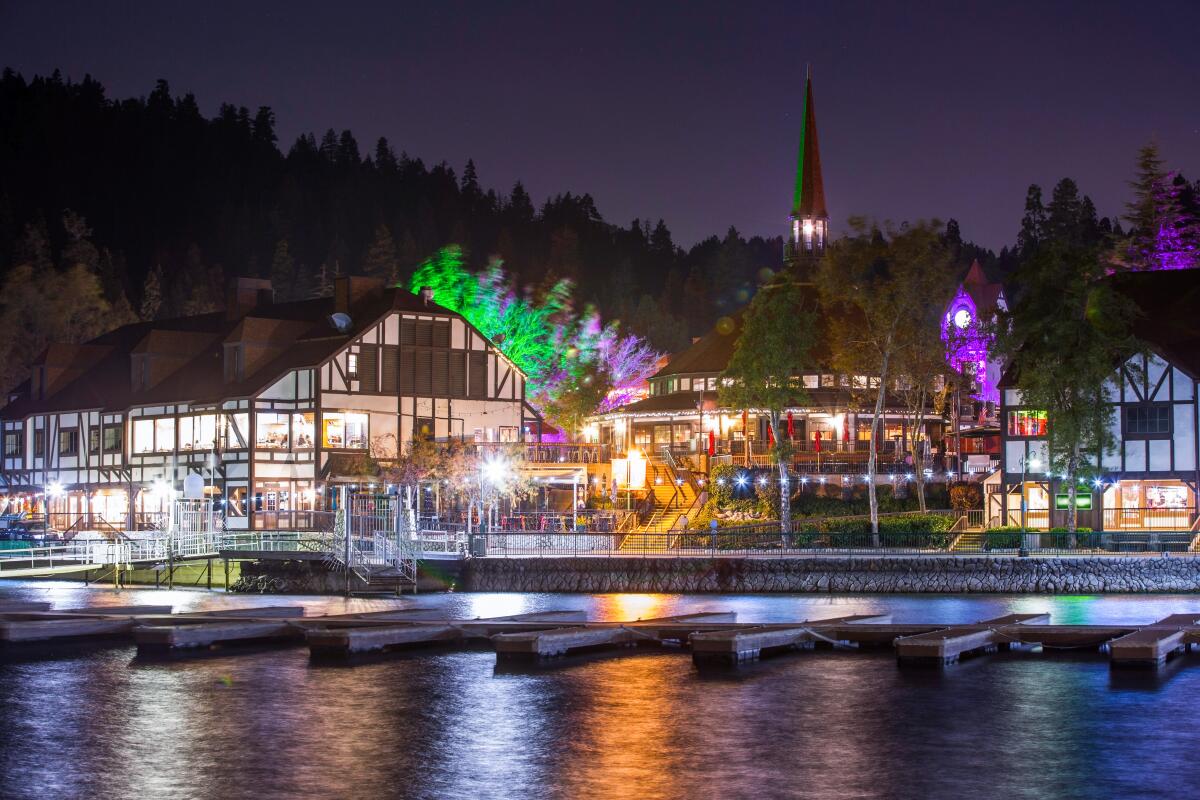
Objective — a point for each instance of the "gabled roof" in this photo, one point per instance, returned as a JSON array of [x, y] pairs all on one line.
[[710, 353], [300, 331], [983, 292], [809, 197]]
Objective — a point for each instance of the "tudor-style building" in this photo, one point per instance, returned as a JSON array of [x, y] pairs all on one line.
[[1149, 479], [269, 403], [828, 433]]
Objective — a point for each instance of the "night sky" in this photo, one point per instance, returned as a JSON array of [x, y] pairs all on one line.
[[686, 111]]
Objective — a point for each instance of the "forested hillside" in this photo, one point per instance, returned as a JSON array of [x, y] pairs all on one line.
[[164, 204]]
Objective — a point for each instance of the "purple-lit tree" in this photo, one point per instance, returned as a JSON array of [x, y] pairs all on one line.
[[1162, 235]]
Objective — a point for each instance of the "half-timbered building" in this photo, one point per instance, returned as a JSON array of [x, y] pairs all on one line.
[[270, 404], [1149, 478]]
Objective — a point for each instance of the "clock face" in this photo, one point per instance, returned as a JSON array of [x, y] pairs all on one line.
[[962, 318]]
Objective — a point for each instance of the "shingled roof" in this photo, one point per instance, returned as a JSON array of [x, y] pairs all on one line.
[[299, 332]]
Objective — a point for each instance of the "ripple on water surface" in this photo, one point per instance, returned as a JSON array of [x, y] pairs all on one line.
[[268, 724]]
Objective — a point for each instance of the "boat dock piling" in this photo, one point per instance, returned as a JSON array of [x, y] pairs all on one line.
[[715, 638]]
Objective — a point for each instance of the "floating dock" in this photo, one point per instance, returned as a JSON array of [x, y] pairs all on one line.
[[714, 638]]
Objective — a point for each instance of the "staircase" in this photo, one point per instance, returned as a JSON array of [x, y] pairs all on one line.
[[969, 542]]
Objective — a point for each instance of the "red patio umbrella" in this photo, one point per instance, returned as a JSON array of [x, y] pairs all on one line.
[[770, 434], [712, 443], [816, 441], [791, 426]]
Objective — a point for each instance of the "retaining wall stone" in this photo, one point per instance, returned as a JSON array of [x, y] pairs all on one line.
[[932, 574]]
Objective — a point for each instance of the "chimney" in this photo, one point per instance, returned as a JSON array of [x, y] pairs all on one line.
[[426, 294], [350, 289], [243, 294]]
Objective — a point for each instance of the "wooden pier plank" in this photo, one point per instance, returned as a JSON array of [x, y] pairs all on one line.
[[64, 630], [174, 637]]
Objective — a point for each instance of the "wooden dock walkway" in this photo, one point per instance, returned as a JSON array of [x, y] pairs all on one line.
[[713, 637]]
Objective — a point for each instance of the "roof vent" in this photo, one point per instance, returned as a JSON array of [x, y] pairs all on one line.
[[427, 294], [341, 322]]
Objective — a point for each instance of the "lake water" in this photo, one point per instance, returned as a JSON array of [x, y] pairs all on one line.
[[269, 724]]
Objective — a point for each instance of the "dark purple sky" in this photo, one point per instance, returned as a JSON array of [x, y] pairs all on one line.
[[688, 111]]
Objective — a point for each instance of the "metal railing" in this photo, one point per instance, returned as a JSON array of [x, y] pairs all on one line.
[[767, 541]]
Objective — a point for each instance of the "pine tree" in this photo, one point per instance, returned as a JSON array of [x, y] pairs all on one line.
[[152, 295], [283, 270], [381, 260], [1163, 235], [1033, 224]]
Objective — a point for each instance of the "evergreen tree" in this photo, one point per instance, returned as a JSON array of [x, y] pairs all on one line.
[[283, 270], [1163, 235], [1061, 338], [381, 260], [1033, 224], [152, 295]]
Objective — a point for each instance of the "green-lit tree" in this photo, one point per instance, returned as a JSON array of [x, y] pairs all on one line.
[[772, 352]]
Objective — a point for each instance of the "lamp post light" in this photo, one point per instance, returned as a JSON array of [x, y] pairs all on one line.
[[1023, 550]]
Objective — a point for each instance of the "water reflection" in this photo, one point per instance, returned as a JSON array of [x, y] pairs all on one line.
[[828, 724]]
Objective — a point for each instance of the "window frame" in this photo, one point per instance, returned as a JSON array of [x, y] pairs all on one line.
[[1165, 408], [19, 438], [72, 441], [1008, 423]]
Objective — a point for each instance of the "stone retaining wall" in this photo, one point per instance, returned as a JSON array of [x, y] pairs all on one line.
[[890, 574]]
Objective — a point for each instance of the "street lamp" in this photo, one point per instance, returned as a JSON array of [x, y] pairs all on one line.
[[1023, 550]]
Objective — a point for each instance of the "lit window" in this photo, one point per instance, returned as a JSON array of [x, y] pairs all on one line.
[[198, 432], [12, 444], [344, 431], [112, 438], [303, 431], [68, 442], [1027, 423], [352, 365], [271, 432]]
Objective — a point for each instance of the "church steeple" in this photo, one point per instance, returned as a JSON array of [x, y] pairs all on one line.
[[810, 220]]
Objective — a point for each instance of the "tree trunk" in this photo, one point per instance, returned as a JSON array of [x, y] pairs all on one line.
[[915, 451], [1072, 491], [872, 456], [785, 489]]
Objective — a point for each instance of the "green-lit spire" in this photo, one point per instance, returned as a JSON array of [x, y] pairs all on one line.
[[809, 199]]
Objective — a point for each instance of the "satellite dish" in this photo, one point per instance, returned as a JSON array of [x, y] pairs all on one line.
[[341, 322]]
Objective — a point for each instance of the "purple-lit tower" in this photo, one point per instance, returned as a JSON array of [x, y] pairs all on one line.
[[967, 345]]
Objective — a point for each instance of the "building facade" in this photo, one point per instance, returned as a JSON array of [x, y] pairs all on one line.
[[269, 404], [1149, 478], [829, 433]]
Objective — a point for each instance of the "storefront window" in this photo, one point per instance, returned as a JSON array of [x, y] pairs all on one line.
[[303, 431], [345, 430], [198, 432], [271, 431], [1166, 496], [1027, 423]]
